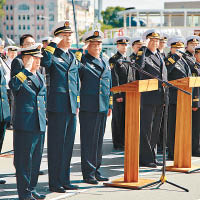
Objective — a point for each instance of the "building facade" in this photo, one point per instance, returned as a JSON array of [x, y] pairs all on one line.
[[191, 18], [38, 17]]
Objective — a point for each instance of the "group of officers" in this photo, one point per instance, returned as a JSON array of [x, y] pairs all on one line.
[[77, 84], [80, 83], [149, 53]]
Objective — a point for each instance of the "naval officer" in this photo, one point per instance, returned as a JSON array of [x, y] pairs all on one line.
[[62, 106], [95, 106], [29, 122]]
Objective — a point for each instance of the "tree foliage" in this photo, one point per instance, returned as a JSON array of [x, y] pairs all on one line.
[[111, 17], [2, 3]]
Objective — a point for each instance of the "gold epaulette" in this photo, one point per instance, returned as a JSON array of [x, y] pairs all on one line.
[[195, 100], [21, 76], [111, 65], [111, 100], [50, 49], [78, 99], [139, 53], [171, 60], [78, 55]]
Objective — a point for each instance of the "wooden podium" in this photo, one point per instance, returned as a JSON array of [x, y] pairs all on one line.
[[132, 133], [183, 134]]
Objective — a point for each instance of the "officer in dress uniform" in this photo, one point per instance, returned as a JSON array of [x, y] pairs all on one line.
[[62, 106], [26, 40], [11, 52], [121, 74], [151, 61], [195, 107], [191, 42], [4, 105], [4, 108], [177, 68], [162, 44], [29, 122], [95, 105], [136, 43]]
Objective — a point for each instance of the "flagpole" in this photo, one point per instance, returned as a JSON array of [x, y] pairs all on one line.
[[75, 24]]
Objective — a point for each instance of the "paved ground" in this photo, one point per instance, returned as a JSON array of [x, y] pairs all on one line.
[[112, 167]]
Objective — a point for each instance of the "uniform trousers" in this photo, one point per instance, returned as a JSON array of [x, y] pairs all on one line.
[[118, 124], [61, 134], [28, 148], [2, 133], [150, 123], [196, 131], [171, 129], [92, 129]]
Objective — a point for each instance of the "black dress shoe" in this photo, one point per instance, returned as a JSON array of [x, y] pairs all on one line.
[[90, 181], [101, 178], [158, 163], [2, 181], [57, 189], [70, 187], [41, 173], [152, 165], [38, 196]]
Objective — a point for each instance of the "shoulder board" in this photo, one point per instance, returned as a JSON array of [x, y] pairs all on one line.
[[111, 65], [171, 60], [78, 55], [139, 53], [50, 49], [196, 67]]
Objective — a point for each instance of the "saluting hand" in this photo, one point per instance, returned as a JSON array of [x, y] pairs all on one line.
[[109, 112], [28, 62], [119, 100], [194, 109], [57, 39]]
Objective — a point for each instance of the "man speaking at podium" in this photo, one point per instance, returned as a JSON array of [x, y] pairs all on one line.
[[151, 61]]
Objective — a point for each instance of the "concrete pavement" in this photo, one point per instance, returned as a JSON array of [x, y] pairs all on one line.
[[112, 167]]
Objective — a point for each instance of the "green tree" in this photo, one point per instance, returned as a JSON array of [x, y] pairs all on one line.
[[111, 17], [2, 3]]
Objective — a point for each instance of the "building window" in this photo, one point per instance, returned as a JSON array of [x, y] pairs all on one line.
[[24, 27], [28, 17], [11, 36], [24, 17], [28, 27], [38, 27], [11, 17], [11, 7], [7, 27], [51, 17], [19, 27], [42, 7], [19, 17], [23, 7], [38, 7], [42, 27], [38, 17], [7, 18], [6, 7], [11, 27]]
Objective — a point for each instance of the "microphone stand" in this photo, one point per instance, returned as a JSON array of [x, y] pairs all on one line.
[[166, 86]]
